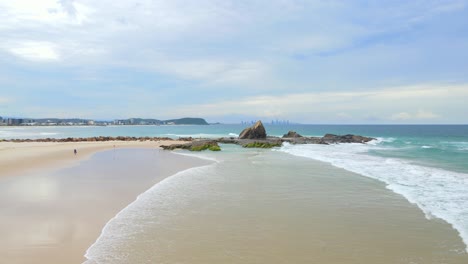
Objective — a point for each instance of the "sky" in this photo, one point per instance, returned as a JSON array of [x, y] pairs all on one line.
[[332, 62]]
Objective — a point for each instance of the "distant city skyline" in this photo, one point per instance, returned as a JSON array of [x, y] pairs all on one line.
[[24, 121], [324, 62]]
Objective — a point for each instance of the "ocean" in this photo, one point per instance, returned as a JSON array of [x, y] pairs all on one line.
[[208, 212]]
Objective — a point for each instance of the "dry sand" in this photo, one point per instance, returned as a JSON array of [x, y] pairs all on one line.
[[54, 204], [20, 158]]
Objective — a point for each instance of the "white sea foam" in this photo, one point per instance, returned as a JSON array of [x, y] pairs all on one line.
[[389, 139], [103, 250], [438, 193], [460, 145], [426, 147], [380, 140], [48, 133], [22, 133], [198, 155]]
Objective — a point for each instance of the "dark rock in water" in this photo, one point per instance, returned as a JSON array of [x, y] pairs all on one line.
[[304, 140], [331, 139], [268, 142], [256, 131], [291, 134], [204, 145], [263, 144], [198, 145]]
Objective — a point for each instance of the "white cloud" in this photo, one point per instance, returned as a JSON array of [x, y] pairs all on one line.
[[419, 115], [68, 6], [35, 51], [52, 12], [214, 72], [354, 106], [241, 48], [401, 116], [343, 115], [314, 43], [5, 100]]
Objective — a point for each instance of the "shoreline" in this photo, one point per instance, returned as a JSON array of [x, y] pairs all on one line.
[[405, 179], [88, 255]]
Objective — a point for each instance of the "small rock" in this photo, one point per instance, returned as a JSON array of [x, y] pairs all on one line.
[[292, 134]]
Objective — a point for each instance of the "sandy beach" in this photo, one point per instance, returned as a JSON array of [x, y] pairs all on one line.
[[20, 158], [55, 204]]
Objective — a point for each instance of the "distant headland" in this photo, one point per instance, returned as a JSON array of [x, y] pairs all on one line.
[[90, 122]]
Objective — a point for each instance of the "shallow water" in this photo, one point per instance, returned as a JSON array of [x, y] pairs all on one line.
[[439, 193]]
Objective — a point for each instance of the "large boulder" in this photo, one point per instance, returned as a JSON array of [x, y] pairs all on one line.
[[257, 131], [292, 134]]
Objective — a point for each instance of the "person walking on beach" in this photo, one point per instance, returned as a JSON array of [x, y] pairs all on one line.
[[74, 151]]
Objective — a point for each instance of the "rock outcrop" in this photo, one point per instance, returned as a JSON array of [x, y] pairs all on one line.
[[262, 144], [332, 139], [197, 145], [257, 131], [292, 134]]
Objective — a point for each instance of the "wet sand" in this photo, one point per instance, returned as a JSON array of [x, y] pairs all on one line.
[[53, 216]]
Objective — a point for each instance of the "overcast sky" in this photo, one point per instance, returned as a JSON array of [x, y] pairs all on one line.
[[305, 61]]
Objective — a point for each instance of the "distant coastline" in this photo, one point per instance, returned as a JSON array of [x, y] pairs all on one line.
[[90, 122]]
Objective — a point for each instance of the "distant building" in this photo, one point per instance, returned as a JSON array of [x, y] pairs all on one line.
[[280, 122], [28, 122], [122, 122], [90, 122], [14, 121]]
